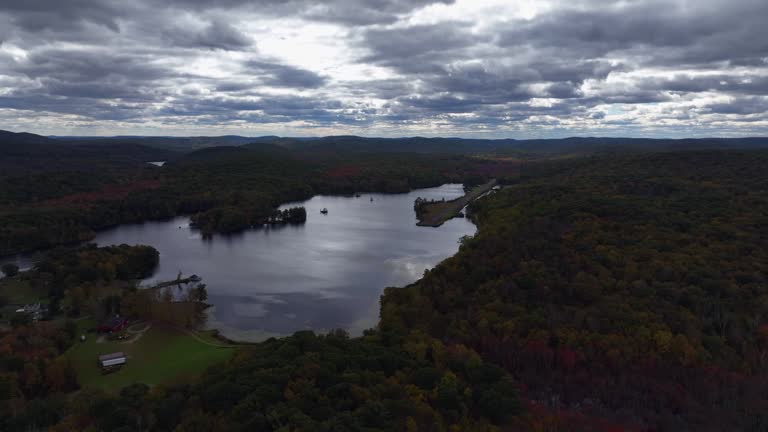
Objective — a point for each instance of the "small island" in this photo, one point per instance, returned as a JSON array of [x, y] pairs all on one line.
[[230, 220]]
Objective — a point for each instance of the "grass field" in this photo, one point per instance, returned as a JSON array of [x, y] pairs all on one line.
[[18, 291], [161, 355]]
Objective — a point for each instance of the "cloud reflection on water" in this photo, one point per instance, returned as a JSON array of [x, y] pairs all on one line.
[[326, 274]]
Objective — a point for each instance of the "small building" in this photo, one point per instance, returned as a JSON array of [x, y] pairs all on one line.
[[113, 325], [112, 361], [36, 311]]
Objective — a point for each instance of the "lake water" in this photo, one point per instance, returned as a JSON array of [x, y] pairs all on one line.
[[325, 274]]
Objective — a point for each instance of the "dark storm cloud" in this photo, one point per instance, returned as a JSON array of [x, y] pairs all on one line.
[[400, 46], [572, 70], [479, 81], [280, 75], [107, 90], [455, 71], [38, 15], [599, 115], [740, 106], [349, 12], [88, 65], [202, 62], [564, 90], [656, 32], [633, 97], [490, 116], [216, 35], [362, 12], [262, 109], [597, 32], [732, 83], [441, 104], [99, 84], [453, 57], [234, 86], [93, 109], [553, 55]]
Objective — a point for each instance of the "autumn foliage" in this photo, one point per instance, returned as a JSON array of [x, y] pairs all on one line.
[[628, 290]]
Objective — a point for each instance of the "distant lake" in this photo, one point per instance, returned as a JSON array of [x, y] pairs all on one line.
[[325, 274]]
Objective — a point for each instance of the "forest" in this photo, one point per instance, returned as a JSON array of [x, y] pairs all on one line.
[[625, 290], [302, 382], [35, 376], [60, 191], [225, 189], [604, 292]]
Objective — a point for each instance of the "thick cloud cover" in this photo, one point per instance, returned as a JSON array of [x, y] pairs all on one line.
[[486, 68]]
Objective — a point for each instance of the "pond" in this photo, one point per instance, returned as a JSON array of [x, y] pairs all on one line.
[[327, 273]]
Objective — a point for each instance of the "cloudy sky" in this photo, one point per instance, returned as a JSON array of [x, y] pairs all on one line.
[[479, 68]]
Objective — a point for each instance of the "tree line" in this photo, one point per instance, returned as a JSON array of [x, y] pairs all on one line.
[[224, 191], [619, 291], [607, 293]]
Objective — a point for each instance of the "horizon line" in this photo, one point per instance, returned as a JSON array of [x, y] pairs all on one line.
[[55, 136]]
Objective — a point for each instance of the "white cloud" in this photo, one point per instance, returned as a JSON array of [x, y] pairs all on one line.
[[470, 67]]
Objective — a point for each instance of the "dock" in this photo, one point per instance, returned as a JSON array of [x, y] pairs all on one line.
[[177, 281]]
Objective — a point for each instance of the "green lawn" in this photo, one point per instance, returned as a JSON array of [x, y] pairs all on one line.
[[209, 336], [18, 291], [162, 355]]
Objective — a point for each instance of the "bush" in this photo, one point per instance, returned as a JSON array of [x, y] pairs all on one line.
[[10, 269]]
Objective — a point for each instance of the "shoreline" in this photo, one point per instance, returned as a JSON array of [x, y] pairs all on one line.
[[22, 256], [434, 214], [159, 281]]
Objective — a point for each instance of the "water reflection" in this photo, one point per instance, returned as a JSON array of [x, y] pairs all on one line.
[[325, 274]]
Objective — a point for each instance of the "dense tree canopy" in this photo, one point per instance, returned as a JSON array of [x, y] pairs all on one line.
[[628, 287], [607, 293], [322, 383], [227, 189], [91, 263]]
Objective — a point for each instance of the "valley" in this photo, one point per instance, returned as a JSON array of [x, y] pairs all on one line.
[[618, 278]]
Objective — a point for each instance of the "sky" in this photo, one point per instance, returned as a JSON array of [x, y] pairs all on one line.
[[470, 68]]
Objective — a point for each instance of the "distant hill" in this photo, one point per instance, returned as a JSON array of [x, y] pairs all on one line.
[[357, 144], [534, 147], [13, 139], [24, 153], [178, 144], [610, 144], [347, 143]]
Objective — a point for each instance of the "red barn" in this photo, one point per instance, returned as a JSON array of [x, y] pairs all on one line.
[[113, 325]]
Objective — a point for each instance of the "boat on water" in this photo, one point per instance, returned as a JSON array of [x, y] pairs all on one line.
[[324, 211]]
